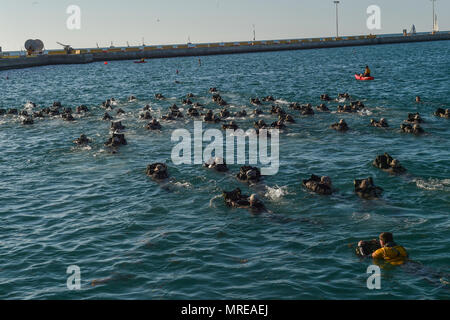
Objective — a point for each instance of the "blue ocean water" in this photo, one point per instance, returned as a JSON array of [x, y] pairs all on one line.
[[133, 239]]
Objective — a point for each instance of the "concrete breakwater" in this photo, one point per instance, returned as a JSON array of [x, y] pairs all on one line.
[[171, 51]]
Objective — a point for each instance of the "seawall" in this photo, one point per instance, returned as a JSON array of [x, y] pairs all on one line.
[[154, 52]]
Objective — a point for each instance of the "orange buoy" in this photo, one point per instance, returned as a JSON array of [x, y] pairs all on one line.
[[106, 62]]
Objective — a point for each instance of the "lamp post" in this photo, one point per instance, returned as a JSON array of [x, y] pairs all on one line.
[[434, 17], [337, 18]]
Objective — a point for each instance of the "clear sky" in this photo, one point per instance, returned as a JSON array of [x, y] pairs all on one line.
[[173, 21]]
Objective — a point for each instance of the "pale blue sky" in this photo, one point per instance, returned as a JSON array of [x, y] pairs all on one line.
[[172, 21]]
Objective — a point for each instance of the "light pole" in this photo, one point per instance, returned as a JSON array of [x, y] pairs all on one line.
[[434, 17], [337, 18]]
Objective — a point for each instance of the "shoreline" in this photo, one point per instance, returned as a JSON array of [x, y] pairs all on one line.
[[157, 52]]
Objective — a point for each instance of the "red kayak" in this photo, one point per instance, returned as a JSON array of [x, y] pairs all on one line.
[[362, 78]]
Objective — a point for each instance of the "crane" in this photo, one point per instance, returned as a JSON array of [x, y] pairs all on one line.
[[67, 48]]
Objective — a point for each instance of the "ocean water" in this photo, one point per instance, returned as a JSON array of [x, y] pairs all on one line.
[[132, 238]]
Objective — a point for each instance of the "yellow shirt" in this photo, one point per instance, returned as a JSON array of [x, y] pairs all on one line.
[[367, 71], [395, 255]]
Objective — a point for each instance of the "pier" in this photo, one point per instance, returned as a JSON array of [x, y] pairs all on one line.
[[82, 56]]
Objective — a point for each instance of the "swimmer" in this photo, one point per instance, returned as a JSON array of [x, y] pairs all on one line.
[[217, 164], [82, 140], [81, 109], [117, 126], [415, 129], [154, 125], [255, 101], [249, 174], [443, 113], [157, 171], [145, 116], [366, 189], [387, 163], [230, 126], [380, 124], [414, 118], [319, 185], [268, 99], [236, 199], [323, 108], [389, 251], [307, 110], [340, 126], [116, 140]]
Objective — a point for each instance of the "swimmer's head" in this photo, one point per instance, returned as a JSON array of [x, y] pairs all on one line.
[[326, 181], [386, 237]]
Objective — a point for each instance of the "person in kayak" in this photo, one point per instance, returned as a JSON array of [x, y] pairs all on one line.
[[367, 72], [389, 251]]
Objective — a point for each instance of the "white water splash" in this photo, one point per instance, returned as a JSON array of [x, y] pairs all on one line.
[[294, 134], [360, 216], [433, 184], [276, 192], [410, 222], [101, 151], [365, 112], [211, 202], [28, 106], [281, 101], [182, 184]]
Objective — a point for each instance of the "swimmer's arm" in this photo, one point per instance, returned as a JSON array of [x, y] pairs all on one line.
[[379, 254]]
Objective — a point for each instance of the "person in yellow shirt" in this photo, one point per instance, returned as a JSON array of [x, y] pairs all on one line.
[[390, 251], [367, 72]]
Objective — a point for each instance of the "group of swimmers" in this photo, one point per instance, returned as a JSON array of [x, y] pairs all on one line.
[[322, 185]]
